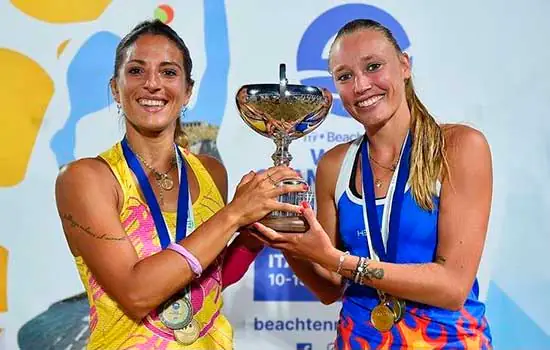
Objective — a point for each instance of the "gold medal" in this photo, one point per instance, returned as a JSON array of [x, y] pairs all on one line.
[[177, 314], [397, 306], [382, 317], [188, 334], [402, 306]]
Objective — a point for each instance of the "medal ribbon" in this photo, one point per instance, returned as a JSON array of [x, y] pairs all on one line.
[[184, 221], [392, 210]]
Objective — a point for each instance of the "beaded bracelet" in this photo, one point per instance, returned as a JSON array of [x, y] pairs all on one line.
[[358, 270], [364, 271]]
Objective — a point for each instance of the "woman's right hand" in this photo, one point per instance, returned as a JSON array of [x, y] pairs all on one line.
[[256, 194]]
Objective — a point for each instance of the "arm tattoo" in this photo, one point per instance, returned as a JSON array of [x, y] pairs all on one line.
[[373, 273], [369, 274], [73, 223], [441, 260]]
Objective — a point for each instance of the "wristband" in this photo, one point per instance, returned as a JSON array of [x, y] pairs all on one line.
[[193, 262]]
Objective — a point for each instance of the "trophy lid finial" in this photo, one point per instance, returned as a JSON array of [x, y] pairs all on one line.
[[282, 81]]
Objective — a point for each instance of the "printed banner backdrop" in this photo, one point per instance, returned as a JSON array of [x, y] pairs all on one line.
[[480, 63]]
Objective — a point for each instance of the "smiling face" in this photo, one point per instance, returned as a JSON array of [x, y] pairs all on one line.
[[151, 85], [369, 74]]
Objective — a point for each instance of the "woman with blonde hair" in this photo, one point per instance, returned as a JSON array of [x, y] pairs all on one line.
[[402, 211]]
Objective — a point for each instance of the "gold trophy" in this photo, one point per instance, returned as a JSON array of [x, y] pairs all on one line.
[[284, 113]]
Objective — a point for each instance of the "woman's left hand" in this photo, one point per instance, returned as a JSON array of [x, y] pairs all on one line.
[[313, 245]]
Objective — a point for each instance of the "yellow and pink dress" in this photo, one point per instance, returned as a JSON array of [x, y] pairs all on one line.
[[110, 327]]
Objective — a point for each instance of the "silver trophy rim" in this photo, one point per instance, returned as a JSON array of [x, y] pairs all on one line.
[[285, 92], [274, 90]]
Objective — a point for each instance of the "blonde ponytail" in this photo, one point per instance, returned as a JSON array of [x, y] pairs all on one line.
[[428, 161]]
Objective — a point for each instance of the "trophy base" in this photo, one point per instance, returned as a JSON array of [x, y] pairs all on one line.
[[282, 221], [286, 224]]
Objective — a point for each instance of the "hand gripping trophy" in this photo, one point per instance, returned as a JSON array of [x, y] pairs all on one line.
[[284, 113]]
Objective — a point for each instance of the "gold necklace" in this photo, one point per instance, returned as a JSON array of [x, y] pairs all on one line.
[[164, 180], [392, 167], [378, 181]]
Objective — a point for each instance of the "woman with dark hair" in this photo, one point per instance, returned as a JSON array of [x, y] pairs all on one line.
[[402, 211], [147, 220]]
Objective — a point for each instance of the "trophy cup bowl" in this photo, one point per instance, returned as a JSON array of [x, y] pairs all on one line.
[[284, 113]]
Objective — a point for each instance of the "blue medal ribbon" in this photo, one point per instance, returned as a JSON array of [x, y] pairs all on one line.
[[389, 255], [151, 200]]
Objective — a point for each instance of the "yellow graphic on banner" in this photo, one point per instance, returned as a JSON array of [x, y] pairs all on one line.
[[25, 93], [62, 47], [3, 279], [62, 11]]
